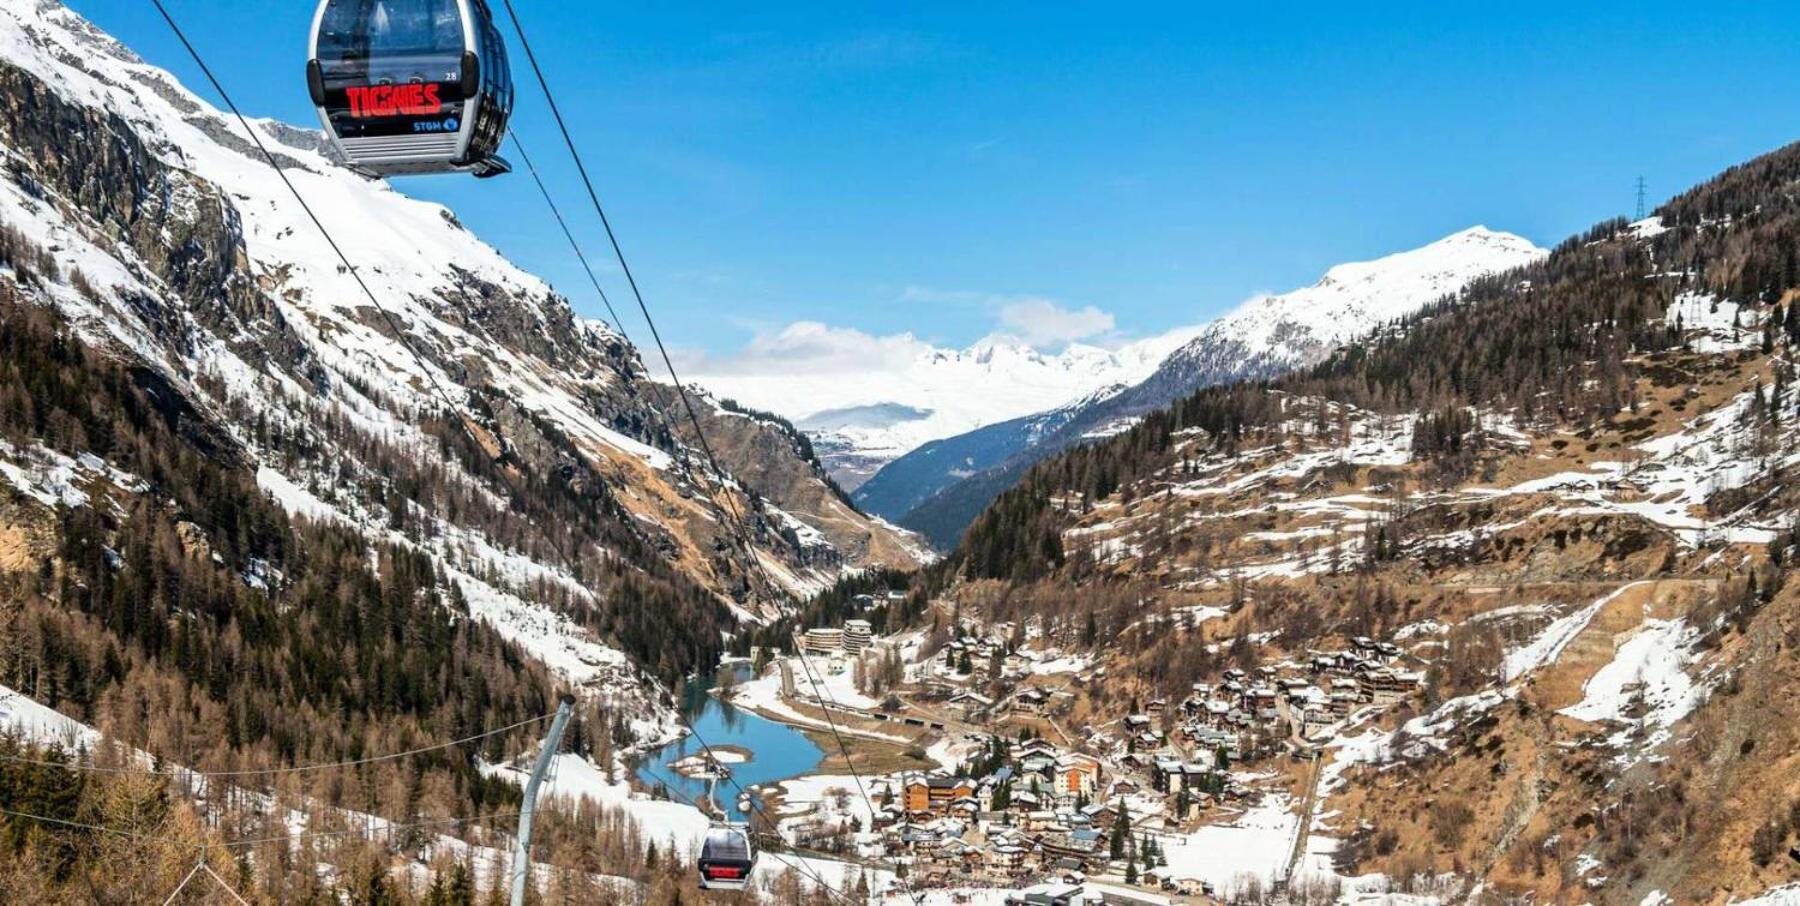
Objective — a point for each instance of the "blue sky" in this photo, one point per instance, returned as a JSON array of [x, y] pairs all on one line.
[[923, 167]]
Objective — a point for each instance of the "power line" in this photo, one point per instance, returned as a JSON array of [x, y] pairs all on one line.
[[263, 772], [388, 827], [77, 825], [365, 833]]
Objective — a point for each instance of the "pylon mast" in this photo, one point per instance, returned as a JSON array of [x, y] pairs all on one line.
[[522, 848]]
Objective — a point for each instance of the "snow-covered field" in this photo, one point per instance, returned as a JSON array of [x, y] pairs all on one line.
[[1550, 643], [1649, 671], [1256, 845]]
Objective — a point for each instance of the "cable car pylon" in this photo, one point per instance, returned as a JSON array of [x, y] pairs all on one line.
[[528, 810]]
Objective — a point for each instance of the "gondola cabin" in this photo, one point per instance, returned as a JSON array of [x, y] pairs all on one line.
[[411, 86], [727, 858]]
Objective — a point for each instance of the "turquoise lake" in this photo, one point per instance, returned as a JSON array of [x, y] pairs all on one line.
[[777, 751]]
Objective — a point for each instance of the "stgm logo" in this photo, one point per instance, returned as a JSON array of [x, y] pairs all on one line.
[[411, 99]]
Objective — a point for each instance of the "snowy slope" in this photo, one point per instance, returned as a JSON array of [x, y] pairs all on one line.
[[1272, 333], [178, 245], [1354, 298]]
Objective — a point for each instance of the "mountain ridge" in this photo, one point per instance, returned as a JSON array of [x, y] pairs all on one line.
[[863, 414], [1262, 337]]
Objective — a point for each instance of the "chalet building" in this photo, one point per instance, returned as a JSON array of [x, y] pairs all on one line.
[[1069, 871], [1007, 858], [1387, 686], [1261, 696], [1082, 846], [1167, 775], [934, 795], [1032, 701], [910, 836], [971, 706], [1077, 775], [1212, 740], [966, 809], [959, 855]]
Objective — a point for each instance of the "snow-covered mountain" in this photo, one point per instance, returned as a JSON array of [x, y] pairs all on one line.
[[165, 239], [940, 486], [859, 420], [1274, 333]]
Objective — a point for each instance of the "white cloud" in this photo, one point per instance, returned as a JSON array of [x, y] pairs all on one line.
[[1033, 320], [813, 348], [1041, 322], [809, 365]]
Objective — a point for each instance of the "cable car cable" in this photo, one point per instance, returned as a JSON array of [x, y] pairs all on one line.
[[275, 165], [631, 280], [263, 772], [387, 827], [575, 246], [662, 402], [269, 157], [625, 266], [568, 234], [680, 388]]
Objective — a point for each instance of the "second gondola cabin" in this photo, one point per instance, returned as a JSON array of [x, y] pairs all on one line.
[[411, 86], [727, 857]]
